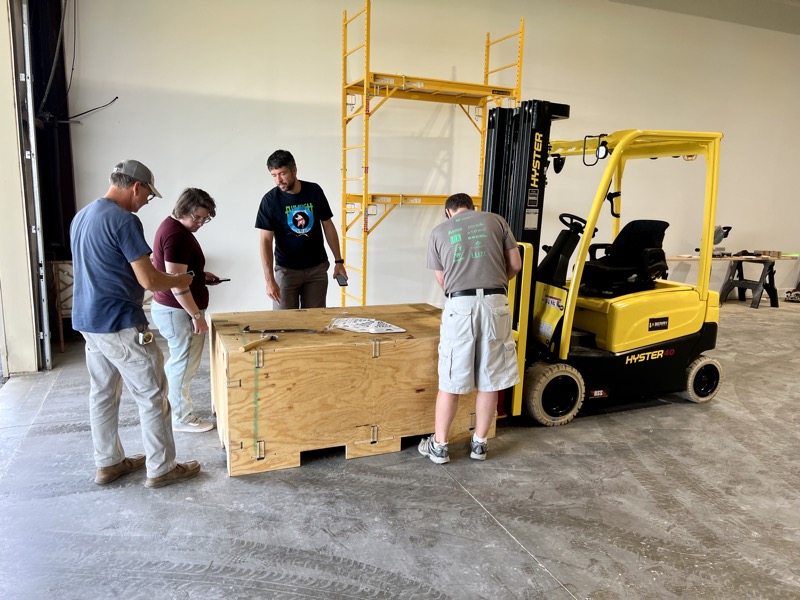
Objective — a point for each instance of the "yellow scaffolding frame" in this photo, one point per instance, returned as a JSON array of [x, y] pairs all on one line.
[[357, 208]]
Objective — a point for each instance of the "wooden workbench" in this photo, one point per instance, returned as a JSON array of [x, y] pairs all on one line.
[[307, 391], [735, 279]]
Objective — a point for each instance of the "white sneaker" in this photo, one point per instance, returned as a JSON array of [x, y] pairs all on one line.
[[196, 425], [477, 450], [436, 452]]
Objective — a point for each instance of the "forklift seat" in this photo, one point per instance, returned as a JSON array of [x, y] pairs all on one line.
[[631, 263]]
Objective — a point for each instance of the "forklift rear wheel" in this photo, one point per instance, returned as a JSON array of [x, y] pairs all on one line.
[[703, 376], [553, 393]]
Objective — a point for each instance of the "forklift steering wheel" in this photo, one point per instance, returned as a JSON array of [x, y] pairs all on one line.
[[574, 223], [568, 219]]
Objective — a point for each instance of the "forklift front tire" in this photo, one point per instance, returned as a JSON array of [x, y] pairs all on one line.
[[703, 376], [553, 393]]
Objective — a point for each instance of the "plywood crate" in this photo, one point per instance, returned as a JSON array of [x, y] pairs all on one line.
[[307, 391]]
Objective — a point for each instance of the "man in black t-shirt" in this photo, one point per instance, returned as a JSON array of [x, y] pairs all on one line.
[[294, 216]]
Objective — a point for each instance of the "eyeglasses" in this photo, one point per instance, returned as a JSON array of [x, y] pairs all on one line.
[[203, 220], [151, 195]]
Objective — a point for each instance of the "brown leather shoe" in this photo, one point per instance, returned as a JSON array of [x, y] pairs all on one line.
[[129, 465], [181, 472]]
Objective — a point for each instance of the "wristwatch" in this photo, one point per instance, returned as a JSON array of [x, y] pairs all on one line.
[[196, 316]]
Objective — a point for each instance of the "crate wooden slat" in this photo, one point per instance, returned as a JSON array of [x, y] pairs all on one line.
[[307, 391]]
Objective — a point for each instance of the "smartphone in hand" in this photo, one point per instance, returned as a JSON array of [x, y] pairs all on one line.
[[341, 280]]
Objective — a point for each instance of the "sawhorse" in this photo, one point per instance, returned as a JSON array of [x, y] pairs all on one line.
[[765, 283]]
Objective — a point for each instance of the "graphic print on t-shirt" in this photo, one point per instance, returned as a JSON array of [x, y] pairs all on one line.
[[455, 243], [300, 218], [476, 233]]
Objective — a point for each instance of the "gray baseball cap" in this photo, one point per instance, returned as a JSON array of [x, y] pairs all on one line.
[[135, 169]]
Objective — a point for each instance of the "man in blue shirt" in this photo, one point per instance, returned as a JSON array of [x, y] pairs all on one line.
[[112, 268]]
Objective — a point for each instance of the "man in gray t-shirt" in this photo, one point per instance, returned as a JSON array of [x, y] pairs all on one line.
[[474, 255]]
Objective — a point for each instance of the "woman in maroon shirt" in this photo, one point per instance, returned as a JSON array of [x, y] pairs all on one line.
[[179, 313]]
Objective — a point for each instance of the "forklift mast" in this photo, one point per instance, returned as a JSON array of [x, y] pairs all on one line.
[[515, 168]]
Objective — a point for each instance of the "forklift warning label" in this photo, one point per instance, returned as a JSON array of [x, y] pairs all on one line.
[[657, 324], [532, 218], [554, 302]]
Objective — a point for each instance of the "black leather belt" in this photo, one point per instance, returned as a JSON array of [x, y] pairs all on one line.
[[473, 292]]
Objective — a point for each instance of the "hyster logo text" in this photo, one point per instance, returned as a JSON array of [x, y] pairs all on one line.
[[644, 356], [537, 162]]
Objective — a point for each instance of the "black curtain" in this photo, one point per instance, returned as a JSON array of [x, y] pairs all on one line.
[[53, 140]]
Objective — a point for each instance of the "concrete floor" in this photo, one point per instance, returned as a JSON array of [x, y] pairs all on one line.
[[660, 499]]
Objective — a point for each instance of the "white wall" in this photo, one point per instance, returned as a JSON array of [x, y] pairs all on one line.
[[207, 90]]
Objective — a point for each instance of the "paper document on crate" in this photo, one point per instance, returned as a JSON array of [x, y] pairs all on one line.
[[365, 325]]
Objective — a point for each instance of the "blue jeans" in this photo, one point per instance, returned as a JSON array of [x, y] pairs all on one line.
[[185, 352], [112, 358]]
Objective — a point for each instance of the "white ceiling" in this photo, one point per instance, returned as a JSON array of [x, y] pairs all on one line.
[[778, 15]]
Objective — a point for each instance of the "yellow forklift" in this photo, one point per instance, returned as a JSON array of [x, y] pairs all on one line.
[[605, 322]]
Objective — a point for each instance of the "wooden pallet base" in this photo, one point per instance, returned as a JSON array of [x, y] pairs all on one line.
[[276, 456]]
